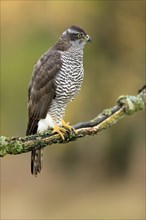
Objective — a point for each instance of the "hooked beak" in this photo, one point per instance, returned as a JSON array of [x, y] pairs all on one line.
[[88, 38]]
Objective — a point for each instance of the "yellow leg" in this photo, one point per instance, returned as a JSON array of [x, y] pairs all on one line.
[[59, 130], [67, 126]]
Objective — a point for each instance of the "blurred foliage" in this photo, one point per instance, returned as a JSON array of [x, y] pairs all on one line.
[[114, 65]]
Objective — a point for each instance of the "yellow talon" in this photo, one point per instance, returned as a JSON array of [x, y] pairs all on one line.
[[68, 126], [59, 130]]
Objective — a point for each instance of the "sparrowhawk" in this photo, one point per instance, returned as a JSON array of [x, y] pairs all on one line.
[[56, 79]]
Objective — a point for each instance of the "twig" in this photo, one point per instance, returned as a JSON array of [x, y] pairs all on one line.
[[126, 105]]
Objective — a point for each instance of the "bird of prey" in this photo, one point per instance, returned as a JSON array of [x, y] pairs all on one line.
[[56, 79]]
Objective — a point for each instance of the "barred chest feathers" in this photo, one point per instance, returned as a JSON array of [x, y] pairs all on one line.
[[70, 78]]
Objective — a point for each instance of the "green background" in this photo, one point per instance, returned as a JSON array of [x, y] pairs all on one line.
[[100, 177]]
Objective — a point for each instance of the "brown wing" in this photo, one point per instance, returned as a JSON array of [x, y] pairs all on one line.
[[42, 88]]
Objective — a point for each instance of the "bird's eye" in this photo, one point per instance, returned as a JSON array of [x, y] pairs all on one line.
[[79, 35]]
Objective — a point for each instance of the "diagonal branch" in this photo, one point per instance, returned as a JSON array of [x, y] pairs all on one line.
[[126, 105]]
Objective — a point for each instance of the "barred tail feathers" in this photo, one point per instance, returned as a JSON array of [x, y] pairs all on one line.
[[36, 161]]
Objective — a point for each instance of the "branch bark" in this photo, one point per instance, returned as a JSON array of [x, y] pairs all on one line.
[[126, 105]]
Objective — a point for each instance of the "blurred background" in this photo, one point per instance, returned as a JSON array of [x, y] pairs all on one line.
[[100, 177]]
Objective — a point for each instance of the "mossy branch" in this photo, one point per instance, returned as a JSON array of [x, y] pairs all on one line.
[[126, 105]]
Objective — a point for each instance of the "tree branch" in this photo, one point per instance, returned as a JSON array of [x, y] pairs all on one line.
[[126, 105]]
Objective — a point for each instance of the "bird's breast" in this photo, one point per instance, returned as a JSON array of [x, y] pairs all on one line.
[[70, 77]]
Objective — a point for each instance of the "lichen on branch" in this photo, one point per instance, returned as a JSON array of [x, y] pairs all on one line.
[[126, 105]]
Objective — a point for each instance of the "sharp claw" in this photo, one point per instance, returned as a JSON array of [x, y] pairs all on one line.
[[59, 130], [69, 127], [74, 130]]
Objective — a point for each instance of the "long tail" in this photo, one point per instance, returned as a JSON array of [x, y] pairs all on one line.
[[36, 155], [36, 161]]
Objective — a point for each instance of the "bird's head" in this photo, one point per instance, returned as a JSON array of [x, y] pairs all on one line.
[[76, 37]]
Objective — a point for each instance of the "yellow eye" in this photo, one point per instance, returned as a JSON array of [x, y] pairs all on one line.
[[79, 35]]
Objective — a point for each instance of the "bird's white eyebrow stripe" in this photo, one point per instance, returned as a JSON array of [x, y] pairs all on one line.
[[71, 31]]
